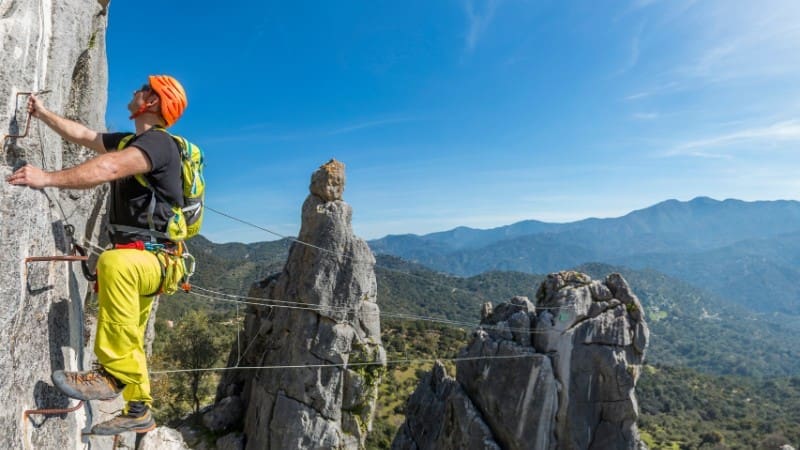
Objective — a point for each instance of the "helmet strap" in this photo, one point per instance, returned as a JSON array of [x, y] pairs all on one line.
[[144, 109]]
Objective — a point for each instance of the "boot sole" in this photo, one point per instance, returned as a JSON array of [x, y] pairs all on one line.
[[60, 381], [149, 428], [140, 431], [146, 430]]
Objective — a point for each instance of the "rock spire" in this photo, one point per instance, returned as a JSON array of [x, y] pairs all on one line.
[[333, 327]]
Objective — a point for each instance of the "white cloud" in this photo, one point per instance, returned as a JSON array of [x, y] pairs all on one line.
[[367, 124], [693, 45], [258, 132], [657, 90], [478, 21], [785, 131], [633, 55], [748, 40]]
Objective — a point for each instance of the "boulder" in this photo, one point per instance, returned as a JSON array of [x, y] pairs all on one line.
[[233, 441], [461, 425], [224, 414], [328, 181], [560, 374], [162, 438]]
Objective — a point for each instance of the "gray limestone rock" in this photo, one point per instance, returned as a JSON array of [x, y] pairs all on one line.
[[328, 181], [60, 47], [441, 416], [312, 406], [569, 384], [162, 438], [224, 414], [233, 441]]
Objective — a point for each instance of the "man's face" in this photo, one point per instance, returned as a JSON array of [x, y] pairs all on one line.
[[140, 97]]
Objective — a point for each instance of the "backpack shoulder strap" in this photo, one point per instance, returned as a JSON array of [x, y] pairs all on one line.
[[124, 141]]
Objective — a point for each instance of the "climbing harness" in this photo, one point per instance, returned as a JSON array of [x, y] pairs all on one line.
[[168, 257]]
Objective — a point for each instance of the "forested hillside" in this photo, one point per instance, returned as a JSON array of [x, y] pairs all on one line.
[[679, 407], [690, 327], [716, 375]]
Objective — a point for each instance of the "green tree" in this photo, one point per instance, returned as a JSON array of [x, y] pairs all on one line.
[[196, 344]]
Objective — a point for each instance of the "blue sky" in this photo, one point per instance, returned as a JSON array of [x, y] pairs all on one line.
[[477, 113]]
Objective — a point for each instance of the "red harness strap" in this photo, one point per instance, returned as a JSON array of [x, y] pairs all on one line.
[[135, 245]]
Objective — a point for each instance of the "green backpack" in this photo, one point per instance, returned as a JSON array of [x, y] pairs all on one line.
[[186, 221]]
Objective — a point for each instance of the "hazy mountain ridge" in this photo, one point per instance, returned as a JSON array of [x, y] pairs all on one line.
[[746, 251], [701, 223]]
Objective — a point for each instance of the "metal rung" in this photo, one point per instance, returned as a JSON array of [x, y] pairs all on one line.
[[67, 258]]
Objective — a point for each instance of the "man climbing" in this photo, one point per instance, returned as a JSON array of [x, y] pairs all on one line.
[[142, 260]]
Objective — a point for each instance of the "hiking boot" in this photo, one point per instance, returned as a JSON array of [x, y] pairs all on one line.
[[94, 384], [138, 419]]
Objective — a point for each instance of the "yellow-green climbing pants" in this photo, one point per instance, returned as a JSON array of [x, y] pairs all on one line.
[[124, 277]]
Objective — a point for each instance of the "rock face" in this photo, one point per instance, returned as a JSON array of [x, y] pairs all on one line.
[[162, 439], [60, 47], [323, 313], [560, 374]]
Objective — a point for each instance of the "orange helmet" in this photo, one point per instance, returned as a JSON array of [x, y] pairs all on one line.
[[172, 95]]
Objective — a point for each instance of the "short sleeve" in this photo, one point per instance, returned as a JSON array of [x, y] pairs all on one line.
[[112, 140], [156, 145]]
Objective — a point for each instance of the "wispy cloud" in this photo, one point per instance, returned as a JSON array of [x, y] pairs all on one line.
[[785, 131], [657, 90], [479, 15], [633, 55], [260, 131], [751, 41], [368, 124], [719, 45]]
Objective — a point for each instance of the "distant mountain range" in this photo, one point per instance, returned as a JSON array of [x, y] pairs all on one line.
[[747, 252], [691, 327]]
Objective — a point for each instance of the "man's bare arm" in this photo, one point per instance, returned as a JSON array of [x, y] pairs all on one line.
[[98, 170], [68, 129]]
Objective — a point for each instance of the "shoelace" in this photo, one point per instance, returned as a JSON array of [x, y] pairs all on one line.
[[89, 377]]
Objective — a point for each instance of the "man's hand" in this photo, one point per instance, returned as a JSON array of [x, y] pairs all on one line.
[[35, 106], [30, 176]]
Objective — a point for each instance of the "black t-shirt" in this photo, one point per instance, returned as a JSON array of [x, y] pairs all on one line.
[[130, 200]]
